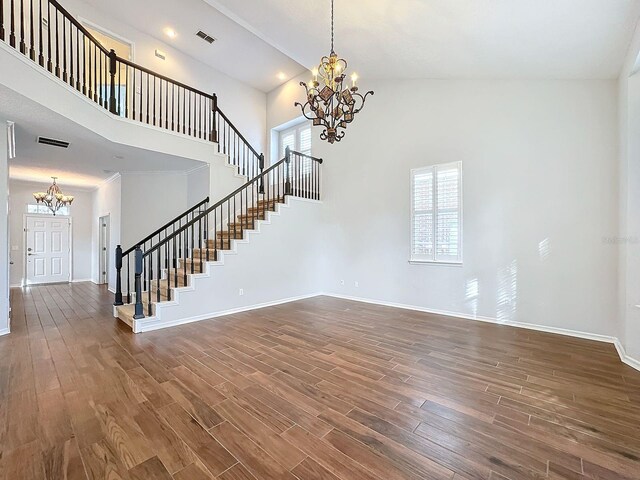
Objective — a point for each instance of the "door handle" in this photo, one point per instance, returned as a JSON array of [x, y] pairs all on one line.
[[31, 254]]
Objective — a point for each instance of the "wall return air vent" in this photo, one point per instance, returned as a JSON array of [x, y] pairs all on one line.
[[205, 37], [53, 142]]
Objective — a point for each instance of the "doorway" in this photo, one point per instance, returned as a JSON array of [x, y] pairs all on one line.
[[103, 250], [48, 249]]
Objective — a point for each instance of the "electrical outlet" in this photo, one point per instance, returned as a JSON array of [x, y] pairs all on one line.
[[356, 284], [241, 292], [341, 282]]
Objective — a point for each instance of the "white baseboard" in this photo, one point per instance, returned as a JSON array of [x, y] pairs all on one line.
[[151, 323], [632, 362], [82, 280], [5, 331]]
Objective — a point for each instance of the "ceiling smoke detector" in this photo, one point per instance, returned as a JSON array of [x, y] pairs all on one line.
[[205, 37], [53, 142]]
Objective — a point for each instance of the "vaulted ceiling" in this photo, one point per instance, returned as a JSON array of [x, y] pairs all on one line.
[[561, 39]]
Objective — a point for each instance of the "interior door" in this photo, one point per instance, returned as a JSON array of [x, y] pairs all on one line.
[[104, 249], [48, 250]]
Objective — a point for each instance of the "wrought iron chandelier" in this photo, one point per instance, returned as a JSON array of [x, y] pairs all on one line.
[[330, 102], [53, 198]]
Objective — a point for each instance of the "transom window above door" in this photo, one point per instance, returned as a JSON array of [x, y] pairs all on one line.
[[44, 210]]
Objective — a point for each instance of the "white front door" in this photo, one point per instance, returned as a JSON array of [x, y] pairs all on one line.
[[48, 249]]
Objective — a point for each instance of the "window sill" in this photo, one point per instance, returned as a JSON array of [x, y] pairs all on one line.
[[434, 262]]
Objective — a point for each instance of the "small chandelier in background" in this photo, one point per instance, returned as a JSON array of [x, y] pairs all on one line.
[[330, 103], [54, 198]]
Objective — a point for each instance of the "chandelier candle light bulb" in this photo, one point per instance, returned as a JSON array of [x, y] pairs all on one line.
[[330, 102]]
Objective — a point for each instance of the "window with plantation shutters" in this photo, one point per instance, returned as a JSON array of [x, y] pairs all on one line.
[[298, 138], [436, 213]]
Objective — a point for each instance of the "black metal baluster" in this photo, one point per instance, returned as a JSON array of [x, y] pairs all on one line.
[[85, 79], [119, 95], [184, 111], [90, 92], [158, 296], [192, 250], [173, 108], [189, 113], [175, 259], [12, 31], [95, 75], [154, 100], [49, 62], [78, 83], [23, 47], [166, 107], [126, 91], [2, 20], [200, 242], [168, 267], [148, 99], [57, 43], [65, 76], [206, 233], [71, 54], [41, 42], [186, 256], [32, 50]]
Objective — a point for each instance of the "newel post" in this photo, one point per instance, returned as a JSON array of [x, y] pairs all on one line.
[[118, 276], [287, 162], [261, 166], [113, 68], [214, 123], [139, 311]]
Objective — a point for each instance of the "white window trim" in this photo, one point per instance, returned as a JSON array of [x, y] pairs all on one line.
[[421, 261]]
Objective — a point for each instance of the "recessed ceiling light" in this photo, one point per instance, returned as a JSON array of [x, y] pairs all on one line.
[[170, 32], [282, 76]]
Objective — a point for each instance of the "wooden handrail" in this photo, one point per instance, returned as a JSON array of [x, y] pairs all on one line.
[[163, 77]]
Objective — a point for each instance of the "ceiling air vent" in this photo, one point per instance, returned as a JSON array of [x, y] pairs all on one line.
[[205, 37], [53, 142]]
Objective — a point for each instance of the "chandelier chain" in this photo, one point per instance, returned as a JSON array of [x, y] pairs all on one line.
[[332, 34]]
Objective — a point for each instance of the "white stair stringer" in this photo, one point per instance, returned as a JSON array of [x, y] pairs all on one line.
[[274, 263]]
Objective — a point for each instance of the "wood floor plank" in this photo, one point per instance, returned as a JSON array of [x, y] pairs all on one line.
[[319, 389], [256, 460]]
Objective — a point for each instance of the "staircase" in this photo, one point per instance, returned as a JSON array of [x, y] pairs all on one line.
[[156, 269], [167, 261]]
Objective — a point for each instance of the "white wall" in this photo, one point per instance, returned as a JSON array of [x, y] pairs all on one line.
[[539, 166], [149, 201], [629, 176], [198, 185], [81, 211], [4, 229], [107, 201]]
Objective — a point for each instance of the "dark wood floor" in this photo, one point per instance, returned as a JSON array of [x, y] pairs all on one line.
[[318, 389]]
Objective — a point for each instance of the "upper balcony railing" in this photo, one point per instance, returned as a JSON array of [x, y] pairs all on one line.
[[45, 32]]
